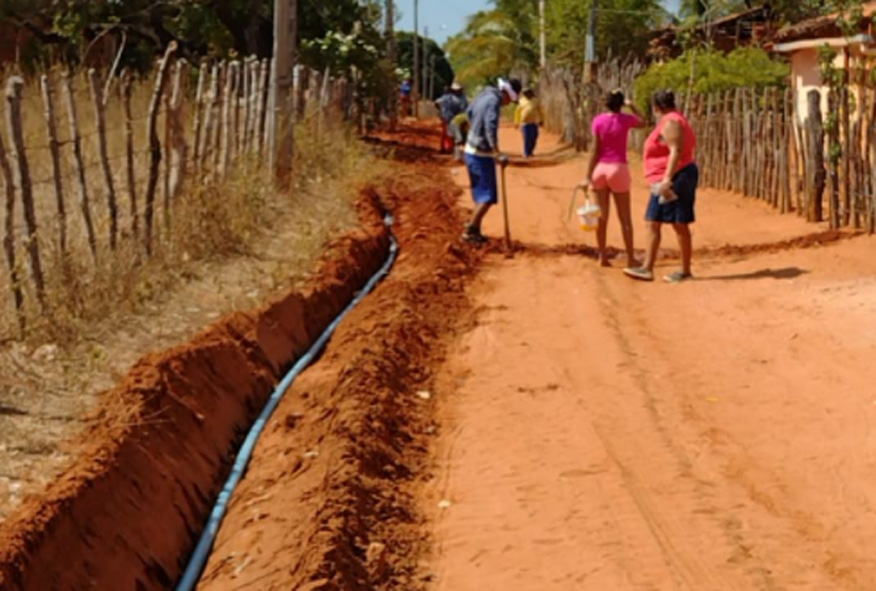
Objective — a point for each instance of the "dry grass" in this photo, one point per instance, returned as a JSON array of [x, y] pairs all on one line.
[[208, 220], [229, 246]]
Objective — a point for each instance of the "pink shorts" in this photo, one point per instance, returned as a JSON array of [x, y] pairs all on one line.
[[614, 176]]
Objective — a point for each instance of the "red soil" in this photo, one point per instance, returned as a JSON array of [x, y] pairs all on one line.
[[595, 433], [333, 478], [328, 502], [601, 434], [126, 514]]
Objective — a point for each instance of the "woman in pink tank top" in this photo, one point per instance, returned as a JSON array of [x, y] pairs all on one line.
[[670, 168], [608, 172]]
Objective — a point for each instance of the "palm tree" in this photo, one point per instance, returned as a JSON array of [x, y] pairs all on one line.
[[491, 45]]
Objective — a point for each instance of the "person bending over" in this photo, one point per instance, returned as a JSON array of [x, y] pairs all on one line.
[[482, 151]]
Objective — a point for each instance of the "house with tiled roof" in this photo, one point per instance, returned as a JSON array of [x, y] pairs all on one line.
[[802, 43]]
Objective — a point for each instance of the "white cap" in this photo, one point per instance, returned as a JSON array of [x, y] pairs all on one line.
[[505, 86]]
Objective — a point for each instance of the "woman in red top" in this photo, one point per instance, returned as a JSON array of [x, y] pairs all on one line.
[[671, 169]]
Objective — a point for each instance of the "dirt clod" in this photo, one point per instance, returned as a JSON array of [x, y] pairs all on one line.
[[375, 560]]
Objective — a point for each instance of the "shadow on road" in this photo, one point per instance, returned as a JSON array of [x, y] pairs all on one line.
[[785, 274]]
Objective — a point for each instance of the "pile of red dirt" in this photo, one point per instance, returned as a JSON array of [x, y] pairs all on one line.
[[128, 512], [329, 500]]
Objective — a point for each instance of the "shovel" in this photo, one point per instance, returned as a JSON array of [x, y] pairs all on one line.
[[503, 163]]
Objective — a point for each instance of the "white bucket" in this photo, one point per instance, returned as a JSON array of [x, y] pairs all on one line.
[[589, 215]]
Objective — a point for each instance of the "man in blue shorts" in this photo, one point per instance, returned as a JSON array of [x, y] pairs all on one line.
[[482, 151]]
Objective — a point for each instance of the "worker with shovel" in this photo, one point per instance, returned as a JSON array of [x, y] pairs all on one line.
[[482, 151], [451, 104]]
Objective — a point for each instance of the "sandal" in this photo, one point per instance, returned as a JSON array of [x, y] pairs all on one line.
[[473, 236], [677, 277], [639, 273]]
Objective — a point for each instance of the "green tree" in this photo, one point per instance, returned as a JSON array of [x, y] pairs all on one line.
[[715, 72], [506, 38], [442, 75], [623, 27], [65, 29], [491, 45]]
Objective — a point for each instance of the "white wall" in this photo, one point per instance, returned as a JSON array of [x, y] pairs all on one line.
[[806, 76]]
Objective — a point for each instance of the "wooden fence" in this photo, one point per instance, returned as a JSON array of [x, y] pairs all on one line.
[[754, 142], [88, 163], [571, 103]]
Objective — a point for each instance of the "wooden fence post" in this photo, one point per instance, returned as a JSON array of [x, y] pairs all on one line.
[[817, 174], [154, 142], [871, 166], [709, 127], [747, 143], [9, 236], [167, 158], [844, 136], [210, 103], [833, 180], [225, 160], [199, 117], [302, 83], [858, 143], [271, 118], [801, 171], [76, 138], [126, 92], [100, 119], [736, 162], [179, 147], [261, 107], [234, 145], [787, 147], [54, 150], [247, 105], [216, 141], [14, 90]]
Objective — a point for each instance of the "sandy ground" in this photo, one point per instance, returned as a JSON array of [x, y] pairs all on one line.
[[601, 434], [538, 423], [48, 394]]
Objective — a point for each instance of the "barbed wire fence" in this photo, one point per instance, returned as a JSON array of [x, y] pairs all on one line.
[[94, 163]]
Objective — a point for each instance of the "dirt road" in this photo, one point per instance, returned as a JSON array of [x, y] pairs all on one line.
[[539, 423], [600, 434]]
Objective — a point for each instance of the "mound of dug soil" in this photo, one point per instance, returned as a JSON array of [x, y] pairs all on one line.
[[329, 500], [128, 512]]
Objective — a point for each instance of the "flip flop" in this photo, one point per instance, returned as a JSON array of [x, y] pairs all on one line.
[[639, 273], [677, 277]]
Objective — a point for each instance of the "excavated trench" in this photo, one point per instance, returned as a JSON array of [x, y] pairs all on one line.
[[128, 513]]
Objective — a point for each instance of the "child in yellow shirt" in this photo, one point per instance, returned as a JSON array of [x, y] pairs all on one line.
[[529, 116]]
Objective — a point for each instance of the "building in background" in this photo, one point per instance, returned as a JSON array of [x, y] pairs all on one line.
[[801, 43], [743, 29]]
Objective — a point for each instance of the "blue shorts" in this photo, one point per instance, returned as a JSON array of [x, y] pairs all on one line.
[[680, 211], [482, 173]]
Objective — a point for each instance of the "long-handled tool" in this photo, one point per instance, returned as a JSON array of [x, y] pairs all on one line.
[[503, 163], [574, 202]]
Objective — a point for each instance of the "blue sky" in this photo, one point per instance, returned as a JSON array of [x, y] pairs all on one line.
[[447, 17]]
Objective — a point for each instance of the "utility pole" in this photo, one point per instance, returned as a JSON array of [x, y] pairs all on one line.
[[390, 55], [282, 92], [427, 75], [542, 35], [590, 50], [415, 92], [431, 77]]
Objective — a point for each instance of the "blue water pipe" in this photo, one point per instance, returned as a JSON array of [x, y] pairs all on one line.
[[195, 568]]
